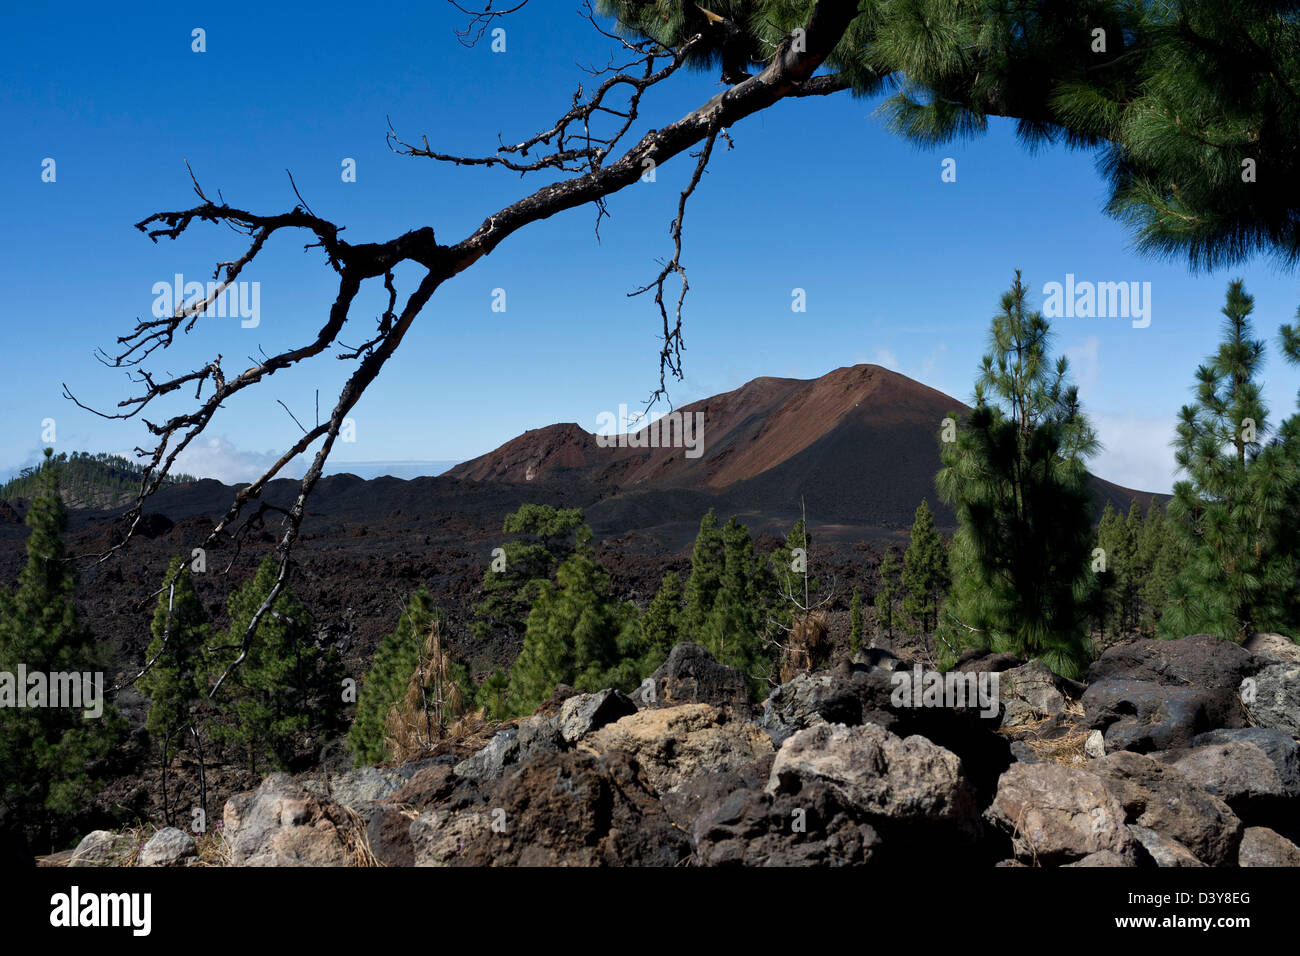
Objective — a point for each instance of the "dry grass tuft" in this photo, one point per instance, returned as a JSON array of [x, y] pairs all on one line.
[[1065, 748]]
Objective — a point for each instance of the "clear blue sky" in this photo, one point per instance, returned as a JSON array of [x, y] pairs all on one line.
[[899, 267]]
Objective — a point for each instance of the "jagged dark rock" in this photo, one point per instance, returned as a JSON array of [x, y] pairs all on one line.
[[690, 675]]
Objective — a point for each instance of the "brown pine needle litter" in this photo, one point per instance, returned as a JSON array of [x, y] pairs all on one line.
[[1064, 748]]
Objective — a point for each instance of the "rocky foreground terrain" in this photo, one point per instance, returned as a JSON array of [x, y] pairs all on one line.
[[1174, 753]]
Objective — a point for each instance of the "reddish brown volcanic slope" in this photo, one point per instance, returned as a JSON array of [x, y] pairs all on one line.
[[860, 445], [748, 431]]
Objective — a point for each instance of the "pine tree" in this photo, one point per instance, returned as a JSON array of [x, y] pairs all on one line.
[[493, 695], [708, 556], [286, 690], [50, 757], [177, 678], [433, 703], [1230, 510], [792, 571], [549, 537], [729, 596], [661, 627], [576, 634], [887, 593], [797, 616], [1286, 445], [1188, 104], [735, 627], [386, 681], [925, 573], [1106, 601], [1133, 570], [1162, 553], [1016, 477]]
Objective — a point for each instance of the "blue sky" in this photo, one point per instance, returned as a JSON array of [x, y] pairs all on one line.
[[899, 268]]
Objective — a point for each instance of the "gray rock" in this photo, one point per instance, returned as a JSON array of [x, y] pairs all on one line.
[[585, 713], [1159, 797], [1035, 691], [1024, 753], [103, 848], [807, 700], [1095, 745], [752, 827], [1143, 716], [354, 787], [1057, 814], [1156, 695], [1201, 660], [1281, 748], [490, 762], [1242, 772], [1272, 697], [1107, 858], [439, 837], [535, 736], [168, 847], [877, 774], [1165, 851], [1261, 846], [282, 824], [685, 803], [1274, 648], [690, 675]]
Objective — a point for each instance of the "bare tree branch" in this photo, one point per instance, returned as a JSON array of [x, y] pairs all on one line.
[[574, 147]]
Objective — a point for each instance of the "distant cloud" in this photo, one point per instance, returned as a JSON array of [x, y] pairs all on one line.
[[887, 358], [219, 458], [1137, 453]]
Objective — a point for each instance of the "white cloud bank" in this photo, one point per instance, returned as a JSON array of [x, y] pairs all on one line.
[[219, 458], [1136, 452]]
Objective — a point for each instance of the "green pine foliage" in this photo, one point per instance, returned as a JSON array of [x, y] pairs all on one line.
[[792, 572], [549, 536], [1016, 477], [1175, 98], [887, 592], [1286, 444], [493, 695], [386, 682], [729, 596], [177, 678], [1123, 566], [286, 693], [51, 758], [925, 574], [661, 625], [87, 480], [1161, 556], [1231, 509], [577, 634]]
